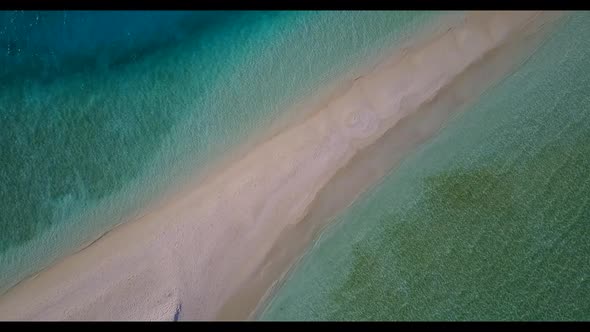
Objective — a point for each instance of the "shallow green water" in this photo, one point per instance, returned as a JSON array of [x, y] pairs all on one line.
[[100, 112], [488, 221]]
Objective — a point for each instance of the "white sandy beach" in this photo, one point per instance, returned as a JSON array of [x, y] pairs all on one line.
[[196, 253]]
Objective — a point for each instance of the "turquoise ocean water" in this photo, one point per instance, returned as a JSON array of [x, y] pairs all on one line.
[[101, 112], [489, 220]]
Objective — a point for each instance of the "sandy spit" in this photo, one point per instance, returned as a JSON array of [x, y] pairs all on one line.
[[206, 255]]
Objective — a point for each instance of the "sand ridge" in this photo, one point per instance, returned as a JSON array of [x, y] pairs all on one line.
[[197, 251]]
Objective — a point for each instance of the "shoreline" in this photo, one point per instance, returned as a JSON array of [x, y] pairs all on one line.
[[179, 248]]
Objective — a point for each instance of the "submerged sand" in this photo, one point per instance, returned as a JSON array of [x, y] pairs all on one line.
[[215, 252]]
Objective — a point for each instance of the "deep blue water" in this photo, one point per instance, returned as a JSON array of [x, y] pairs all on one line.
[[47, 45]]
